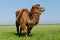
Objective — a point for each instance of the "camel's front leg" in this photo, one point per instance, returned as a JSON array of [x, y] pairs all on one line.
[[23, 26], [29, 28]]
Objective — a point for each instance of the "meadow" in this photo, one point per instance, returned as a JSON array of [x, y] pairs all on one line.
[[39, 32]]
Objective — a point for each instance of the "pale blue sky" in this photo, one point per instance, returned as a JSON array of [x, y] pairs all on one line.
[[9, 7]]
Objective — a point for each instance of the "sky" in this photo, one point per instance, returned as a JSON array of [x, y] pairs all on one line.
[[9, 7]]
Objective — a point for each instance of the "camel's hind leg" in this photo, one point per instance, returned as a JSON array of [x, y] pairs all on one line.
[[17, 27], [20, 30]]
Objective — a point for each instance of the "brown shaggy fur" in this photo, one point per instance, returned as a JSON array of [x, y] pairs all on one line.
[[34, 16], [25, 18]]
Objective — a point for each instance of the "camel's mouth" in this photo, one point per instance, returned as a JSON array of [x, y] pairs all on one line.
[[39, 9], [42, 9]]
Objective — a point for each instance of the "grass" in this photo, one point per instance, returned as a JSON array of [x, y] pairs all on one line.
[[39, 32]]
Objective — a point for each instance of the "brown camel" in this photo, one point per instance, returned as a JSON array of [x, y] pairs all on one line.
[[25, 18]]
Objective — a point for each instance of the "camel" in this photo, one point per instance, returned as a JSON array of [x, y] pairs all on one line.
[[28, 18]]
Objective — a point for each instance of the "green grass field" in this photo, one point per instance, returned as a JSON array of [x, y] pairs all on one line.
[[39, 32]]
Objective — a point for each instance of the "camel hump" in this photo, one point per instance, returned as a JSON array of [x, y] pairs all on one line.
[[24, 9], [17, 12]]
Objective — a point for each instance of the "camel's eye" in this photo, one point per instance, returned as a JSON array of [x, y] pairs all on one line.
[[37, 8]]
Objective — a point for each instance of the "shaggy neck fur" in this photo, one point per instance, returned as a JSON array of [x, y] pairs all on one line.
[[34, 16]]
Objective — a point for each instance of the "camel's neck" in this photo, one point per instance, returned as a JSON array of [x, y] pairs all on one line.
[[35, 18]]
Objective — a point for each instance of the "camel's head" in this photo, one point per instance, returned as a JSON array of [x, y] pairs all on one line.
[[37, 8]]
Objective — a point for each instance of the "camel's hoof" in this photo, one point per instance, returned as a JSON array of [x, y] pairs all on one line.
[[26, 36]]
